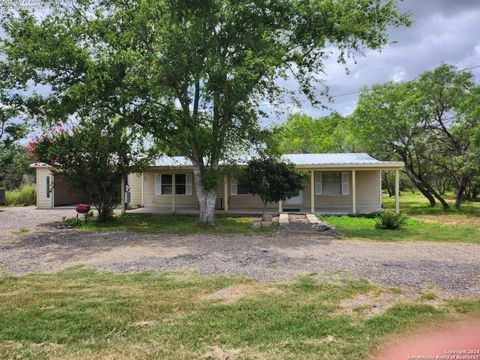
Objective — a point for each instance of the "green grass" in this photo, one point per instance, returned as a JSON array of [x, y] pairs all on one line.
[[24, 196], [413, 230], [424, 223], [81, 313], [174, 224]]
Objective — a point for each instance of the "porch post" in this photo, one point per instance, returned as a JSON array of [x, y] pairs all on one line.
[[380, 195], [143, 193], [312, 191], [397, 191], [280, 206], [173, 194], [354, 191], [122, 195], [225, 192]]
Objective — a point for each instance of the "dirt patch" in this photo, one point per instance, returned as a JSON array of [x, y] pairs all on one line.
[[435, 342], [377, 302], [450, 219], [234, 293], [217, 353]]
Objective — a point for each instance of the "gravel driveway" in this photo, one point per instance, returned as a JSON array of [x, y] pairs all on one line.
[[451, 268]]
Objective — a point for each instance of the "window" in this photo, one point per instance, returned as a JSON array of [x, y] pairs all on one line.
[[164, 184], [332, 183], [237, 188], [47, 183]]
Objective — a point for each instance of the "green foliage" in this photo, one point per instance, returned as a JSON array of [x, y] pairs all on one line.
[[94, 158], [272, 180], [192, 75], [24, 196], [304, 134], [389, 220], [428, 123]]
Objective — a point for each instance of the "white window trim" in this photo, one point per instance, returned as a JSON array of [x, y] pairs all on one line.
[[188, 184]]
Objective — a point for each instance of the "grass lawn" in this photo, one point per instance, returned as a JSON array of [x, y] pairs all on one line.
[[85, 314], [175, 224], [425, 223]]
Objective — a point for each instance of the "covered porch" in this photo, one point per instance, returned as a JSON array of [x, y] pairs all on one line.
[[329, 190]]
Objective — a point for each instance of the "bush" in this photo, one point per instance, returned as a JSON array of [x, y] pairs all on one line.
[[24, 196], [389, 220]]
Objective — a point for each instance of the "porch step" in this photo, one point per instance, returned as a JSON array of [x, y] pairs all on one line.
[[312, 219], [283, 219]]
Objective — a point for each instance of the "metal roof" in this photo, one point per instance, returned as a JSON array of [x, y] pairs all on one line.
[[333, 159]]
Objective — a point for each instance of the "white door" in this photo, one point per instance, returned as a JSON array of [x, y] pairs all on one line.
[[295, 200]]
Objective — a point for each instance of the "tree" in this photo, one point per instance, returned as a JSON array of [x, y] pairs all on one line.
[[451, 109], [94, 157], [13, 157], [304, 134], [429, 124], [272, 180], [191, 73]]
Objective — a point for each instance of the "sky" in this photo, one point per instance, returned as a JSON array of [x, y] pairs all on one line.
[[443, 31]]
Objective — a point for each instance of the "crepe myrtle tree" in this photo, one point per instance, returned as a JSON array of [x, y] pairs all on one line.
[[272, 180], [192, 74], [94, 157]]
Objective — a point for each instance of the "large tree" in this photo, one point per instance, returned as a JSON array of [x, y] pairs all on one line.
[[191, 73], [94, 157], [429, 123]]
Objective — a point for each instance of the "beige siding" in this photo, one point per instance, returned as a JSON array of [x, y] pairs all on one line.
[[368, 191], [244, 201], [368, 195], [135, 181], [330, 202], [41, 186], [165, 201]]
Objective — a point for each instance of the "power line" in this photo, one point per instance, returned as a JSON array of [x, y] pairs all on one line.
[[358, 91]]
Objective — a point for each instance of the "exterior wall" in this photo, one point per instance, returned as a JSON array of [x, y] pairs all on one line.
[[135, 181], [368, 191], [165, 201], [41, 185], [329, 202]]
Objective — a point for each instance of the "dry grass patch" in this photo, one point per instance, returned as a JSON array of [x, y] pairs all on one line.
[[234, 293], [451, 219]]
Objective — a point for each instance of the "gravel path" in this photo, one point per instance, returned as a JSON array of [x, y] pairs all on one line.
[[17, 218], [451, 268]]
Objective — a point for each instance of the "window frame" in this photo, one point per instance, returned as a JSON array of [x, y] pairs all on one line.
[[344, 178], [188, 184]]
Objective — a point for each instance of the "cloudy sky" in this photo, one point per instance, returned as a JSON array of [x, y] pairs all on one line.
[[443, 31]]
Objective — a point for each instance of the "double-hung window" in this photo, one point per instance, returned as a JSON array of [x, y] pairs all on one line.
[[237, 188], [332, 183], [164, 184]]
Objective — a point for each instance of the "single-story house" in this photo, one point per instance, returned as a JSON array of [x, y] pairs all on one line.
[[343, 183]]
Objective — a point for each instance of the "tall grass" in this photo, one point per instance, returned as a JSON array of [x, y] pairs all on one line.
[[24, 196]]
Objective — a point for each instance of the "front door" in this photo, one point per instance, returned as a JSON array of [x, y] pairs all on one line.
[[295, 200]]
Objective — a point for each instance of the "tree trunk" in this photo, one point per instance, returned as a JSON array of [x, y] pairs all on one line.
[[206, 198], [387, 184], [460, 192], [418, 183]]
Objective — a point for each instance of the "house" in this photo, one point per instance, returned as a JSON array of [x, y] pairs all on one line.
[[344, 183]]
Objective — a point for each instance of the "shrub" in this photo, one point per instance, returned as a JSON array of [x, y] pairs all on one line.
[[24, 196], [389, 220]]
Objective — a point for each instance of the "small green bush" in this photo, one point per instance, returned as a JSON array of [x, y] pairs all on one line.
[[389, 220], [24, 196]]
